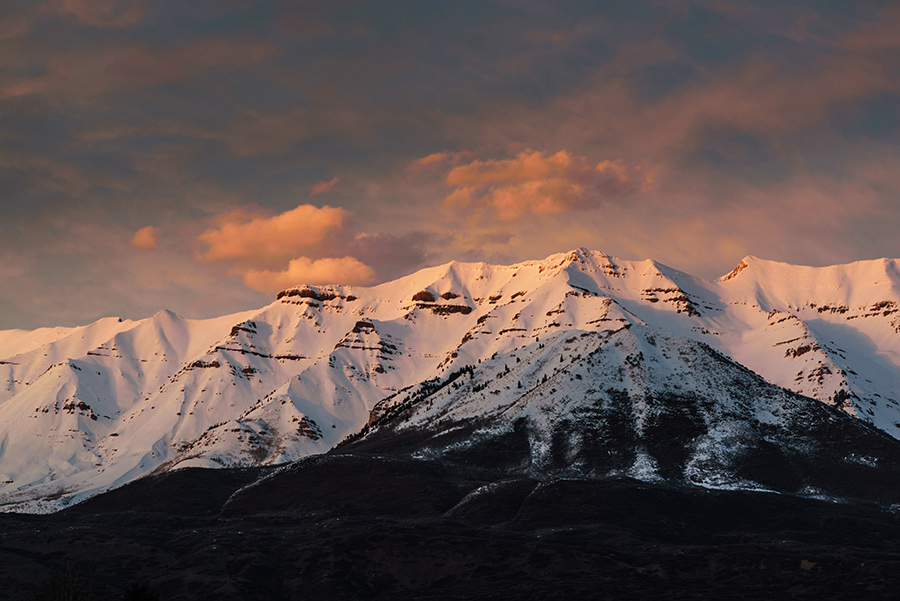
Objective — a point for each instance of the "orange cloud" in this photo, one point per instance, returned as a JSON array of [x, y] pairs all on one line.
[[323, 187], [439, 158], [535, 183], [527, 166], [432, 159], [266, 239], [302, 270], [144, 238], [258, 246]]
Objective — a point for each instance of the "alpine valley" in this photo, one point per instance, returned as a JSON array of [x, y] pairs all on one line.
[[561, 402]]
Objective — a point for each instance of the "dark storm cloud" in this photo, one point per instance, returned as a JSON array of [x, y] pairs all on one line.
[[120, 115]]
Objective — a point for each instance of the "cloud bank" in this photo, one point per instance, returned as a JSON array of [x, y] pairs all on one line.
[[252, 245], [533, 182], [302, 270], [266, 239]]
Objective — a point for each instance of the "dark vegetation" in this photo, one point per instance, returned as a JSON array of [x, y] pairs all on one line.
[[69, 584], [364, 527]]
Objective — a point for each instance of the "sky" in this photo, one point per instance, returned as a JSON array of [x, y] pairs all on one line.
[[200, 156]]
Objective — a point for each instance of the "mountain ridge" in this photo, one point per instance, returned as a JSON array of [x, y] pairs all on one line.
[[97, 406]]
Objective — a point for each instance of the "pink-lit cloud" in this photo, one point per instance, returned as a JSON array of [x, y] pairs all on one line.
[[439, 158], [533, 182], [262, 240], [302, 270], [145, 238], [432, 159], [324, 186], [273, 252]]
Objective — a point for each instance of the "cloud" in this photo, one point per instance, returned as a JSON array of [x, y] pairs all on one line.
[[272, 252], [252, 132], [108, 14], [302, 270], [535, 183], [100, 69], [266, 239], [14, 265], [396, 255], [323, 187], [881, 36], [13, 26], [141, 65], [145, 238], [432, 159], [438, 158]]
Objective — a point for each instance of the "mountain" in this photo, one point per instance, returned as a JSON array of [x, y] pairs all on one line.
[[637, 403], [582, 362]]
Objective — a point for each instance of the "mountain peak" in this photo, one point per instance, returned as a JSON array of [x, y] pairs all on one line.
[[166, 314], [583, 253], [744, 264]]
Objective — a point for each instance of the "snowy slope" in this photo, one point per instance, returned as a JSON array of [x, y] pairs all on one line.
[[836, 326], [86, 409], [633, 402]]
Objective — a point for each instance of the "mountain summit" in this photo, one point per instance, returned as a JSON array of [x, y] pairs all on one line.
[[86, 409]]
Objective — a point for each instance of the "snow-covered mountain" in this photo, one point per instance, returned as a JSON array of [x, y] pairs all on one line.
[[90, 408], [633, 402]]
